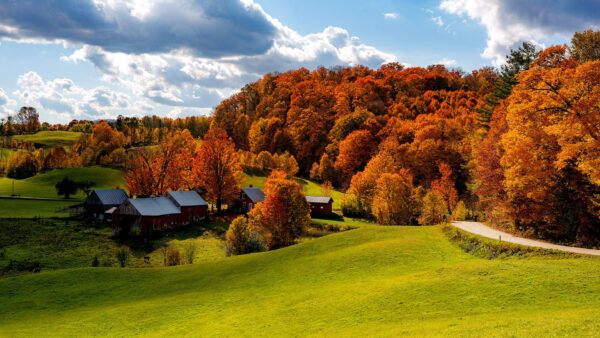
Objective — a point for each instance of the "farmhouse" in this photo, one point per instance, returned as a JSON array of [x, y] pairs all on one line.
[[192, 206], [248, 198], [320, 203], [146, 215], [101, 200]]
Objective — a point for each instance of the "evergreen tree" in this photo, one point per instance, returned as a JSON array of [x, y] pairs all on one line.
[[517, 61]]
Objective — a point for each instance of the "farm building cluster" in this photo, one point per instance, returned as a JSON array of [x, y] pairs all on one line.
[[176, 208]]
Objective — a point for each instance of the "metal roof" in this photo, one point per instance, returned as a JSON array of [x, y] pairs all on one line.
[[111, 196], [154, 206], [187, 198], [319, 199], [255, 194]]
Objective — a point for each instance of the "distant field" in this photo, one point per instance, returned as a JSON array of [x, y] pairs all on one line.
[[371, 281], [42, 184], [28, 208], [309, 187], [50, 138]]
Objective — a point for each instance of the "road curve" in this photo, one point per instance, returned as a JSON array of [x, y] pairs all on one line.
[[485, 231]]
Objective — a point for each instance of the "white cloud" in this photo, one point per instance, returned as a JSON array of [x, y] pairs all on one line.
[[183, 74], [508, 22], [65, 100], [183, 79], [438, 20], [447, 62], [390, 16]]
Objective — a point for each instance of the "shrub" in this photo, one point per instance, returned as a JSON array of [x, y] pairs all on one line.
[[237, 236], [352, 207], [173, 257], [123, 256], [189, 252], [242, 240]]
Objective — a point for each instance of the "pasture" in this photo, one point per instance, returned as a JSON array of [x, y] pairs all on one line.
[[374, 280], [50, 139]]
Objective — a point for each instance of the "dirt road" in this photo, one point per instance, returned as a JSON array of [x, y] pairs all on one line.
[[485, 231]]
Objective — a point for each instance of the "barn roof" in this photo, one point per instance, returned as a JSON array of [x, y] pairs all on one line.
[[111, 196], [187, 198], [255, 194], [319, 199], [154, 206]]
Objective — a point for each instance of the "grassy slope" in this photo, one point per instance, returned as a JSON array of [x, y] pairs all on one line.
[[309, 187], [58, 244], [50, 138], [368, 281], [42, 184], [28, 208]]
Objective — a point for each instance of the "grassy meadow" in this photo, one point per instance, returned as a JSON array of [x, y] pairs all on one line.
[[16, 208], [60, 244], [374, 280], [50, 138], [42, 184]]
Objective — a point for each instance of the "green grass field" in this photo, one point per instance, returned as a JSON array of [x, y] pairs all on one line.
[[30, 208], [50, 138], [42, 184], [60, 244], [371, 281]]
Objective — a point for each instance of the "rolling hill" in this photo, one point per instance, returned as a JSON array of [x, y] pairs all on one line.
[[50, 138], [384, 281]]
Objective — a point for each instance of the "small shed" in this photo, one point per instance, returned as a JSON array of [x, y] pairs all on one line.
[[146, 214], [248, 199], [320, 204], [101, 200], [192, 206]]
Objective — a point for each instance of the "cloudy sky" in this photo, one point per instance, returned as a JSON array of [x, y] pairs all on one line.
[[94, 59]]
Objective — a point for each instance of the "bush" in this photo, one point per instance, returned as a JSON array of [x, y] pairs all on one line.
[[189, 252], [352, 207], [123, 256], [242, 240], [173, 257]]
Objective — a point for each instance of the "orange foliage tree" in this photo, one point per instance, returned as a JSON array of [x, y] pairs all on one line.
[[393, 202], [552, 148], [217, 167], [167, 168], [445, 186]]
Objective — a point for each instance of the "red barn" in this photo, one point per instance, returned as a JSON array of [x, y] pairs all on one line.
[[320, 203], [192, 206], [146, 215], [248, 199]]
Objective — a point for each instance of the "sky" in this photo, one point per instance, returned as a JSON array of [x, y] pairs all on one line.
[[96, 59]]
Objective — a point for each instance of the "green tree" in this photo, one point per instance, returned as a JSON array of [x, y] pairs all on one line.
[[517, 61], [66, 187]]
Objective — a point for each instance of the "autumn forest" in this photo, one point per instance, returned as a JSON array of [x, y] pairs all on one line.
[[517, 146]]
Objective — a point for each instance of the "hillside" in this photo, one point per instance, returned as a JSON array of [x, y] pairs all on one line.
[[42, 184], [372, 280], [50, 138]]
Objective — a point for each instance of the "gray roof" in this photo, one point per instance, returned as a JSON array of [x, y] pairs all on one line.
[[154, 206], [319, 199], [255, 194], [111, 196], [186, 198]]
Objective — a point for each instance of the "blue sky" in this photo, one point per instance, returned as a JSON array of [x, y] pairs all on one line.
[[94, 59]]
